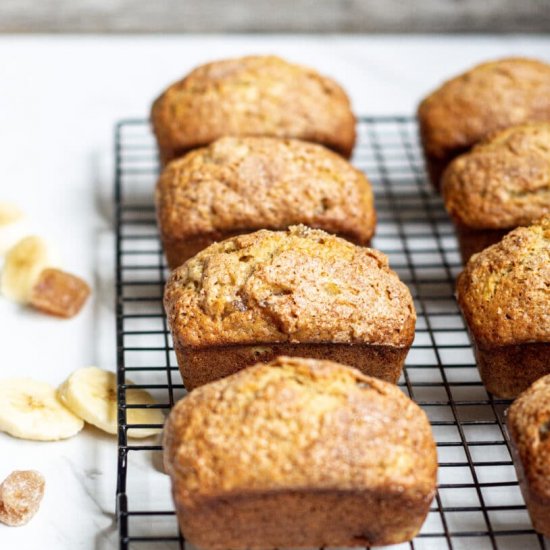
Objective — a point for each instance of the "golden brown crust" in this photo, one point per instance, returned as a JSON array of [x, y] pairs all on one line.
[[244, 184], [252, 96], [298, 427], [200, 366], [529, 426], [489, 97], [502, 182], [298, 286], [504, 292]]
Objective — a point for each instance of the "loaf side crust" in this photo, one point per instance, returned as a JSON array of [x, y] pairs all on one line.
[[201, 366], [506, 371], [334, 518]]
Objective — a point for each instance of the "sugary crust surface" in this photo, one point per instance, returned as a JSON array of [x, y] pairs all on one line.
[[504, 292], [298, 424], [489, 97], [529, 425], [256, 95], [300, 285], [255, 183], [503, 182]]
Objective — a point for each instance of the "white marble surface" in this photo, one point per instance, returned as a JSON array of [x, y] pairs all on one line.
[[59, 100]]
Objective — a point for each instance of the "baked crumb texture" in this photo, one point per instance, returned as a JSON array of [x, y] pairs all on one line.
[[528, 422], [299, 453], [504, 295], [240, 185], [502, 183], [466, 109], [252, 96], [300, 292]]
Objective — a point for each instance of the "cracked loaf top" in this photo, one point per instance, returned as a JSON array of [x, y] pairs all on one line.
[[489, 97], [257, 182], [503, 182], [529, 423], [254, 96], [300, 285], [298, 424], [504, 292]]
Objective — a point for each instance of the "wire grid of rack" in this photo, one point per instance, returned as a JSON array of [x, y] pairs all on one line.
[[478, 504]]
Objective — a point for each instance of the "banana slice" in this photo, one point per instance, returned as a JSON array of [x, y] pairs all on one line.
[[13, 226], [23, 265], [91, 393], [31, 410]]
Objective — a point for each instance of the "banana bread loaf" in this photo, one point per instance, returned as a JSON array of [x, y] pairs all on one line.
[[238, 185], [504, 295], [252, 96], [299, 453], [528, 423], [489, 97], [502, 183], [297, 292]]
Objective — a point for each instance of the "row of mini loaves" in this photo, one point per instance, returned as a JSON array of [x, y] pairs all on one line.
[[495, 118], [304, 292], [300, 292], [486, 140], [292, 452]]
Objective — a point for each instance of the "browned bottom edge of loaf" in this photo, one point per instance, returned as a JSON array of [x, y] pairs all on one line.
[[303, 519], [435, 166], [199, 366], [472, 241], [178, 251], [537, 506], [506, 371]]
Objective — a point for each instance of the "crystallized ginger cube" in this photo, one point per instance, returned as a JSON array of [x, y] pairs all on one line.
[[20, 496], [59, 293]]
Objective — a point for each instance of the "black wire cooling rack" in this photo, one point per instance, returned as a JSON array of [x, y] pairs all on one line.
[[478, 504]]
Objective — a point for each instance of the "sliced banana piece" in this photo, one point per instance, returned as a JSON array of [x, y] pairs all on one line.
[[22, 267], [13, 226], [91, 393], [30, 410]]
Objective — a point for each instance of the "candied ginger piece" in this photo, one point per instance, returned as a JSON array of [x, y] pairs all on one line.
[[20, 496], [59, 293]]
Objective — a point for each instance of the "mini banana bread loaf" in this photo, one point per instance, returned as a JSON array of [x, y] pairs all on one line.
[[300, 292], [299, 453], [238, 185], [504, 294], [252, 96], [502, 183], [468, 108], [528, 423]]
